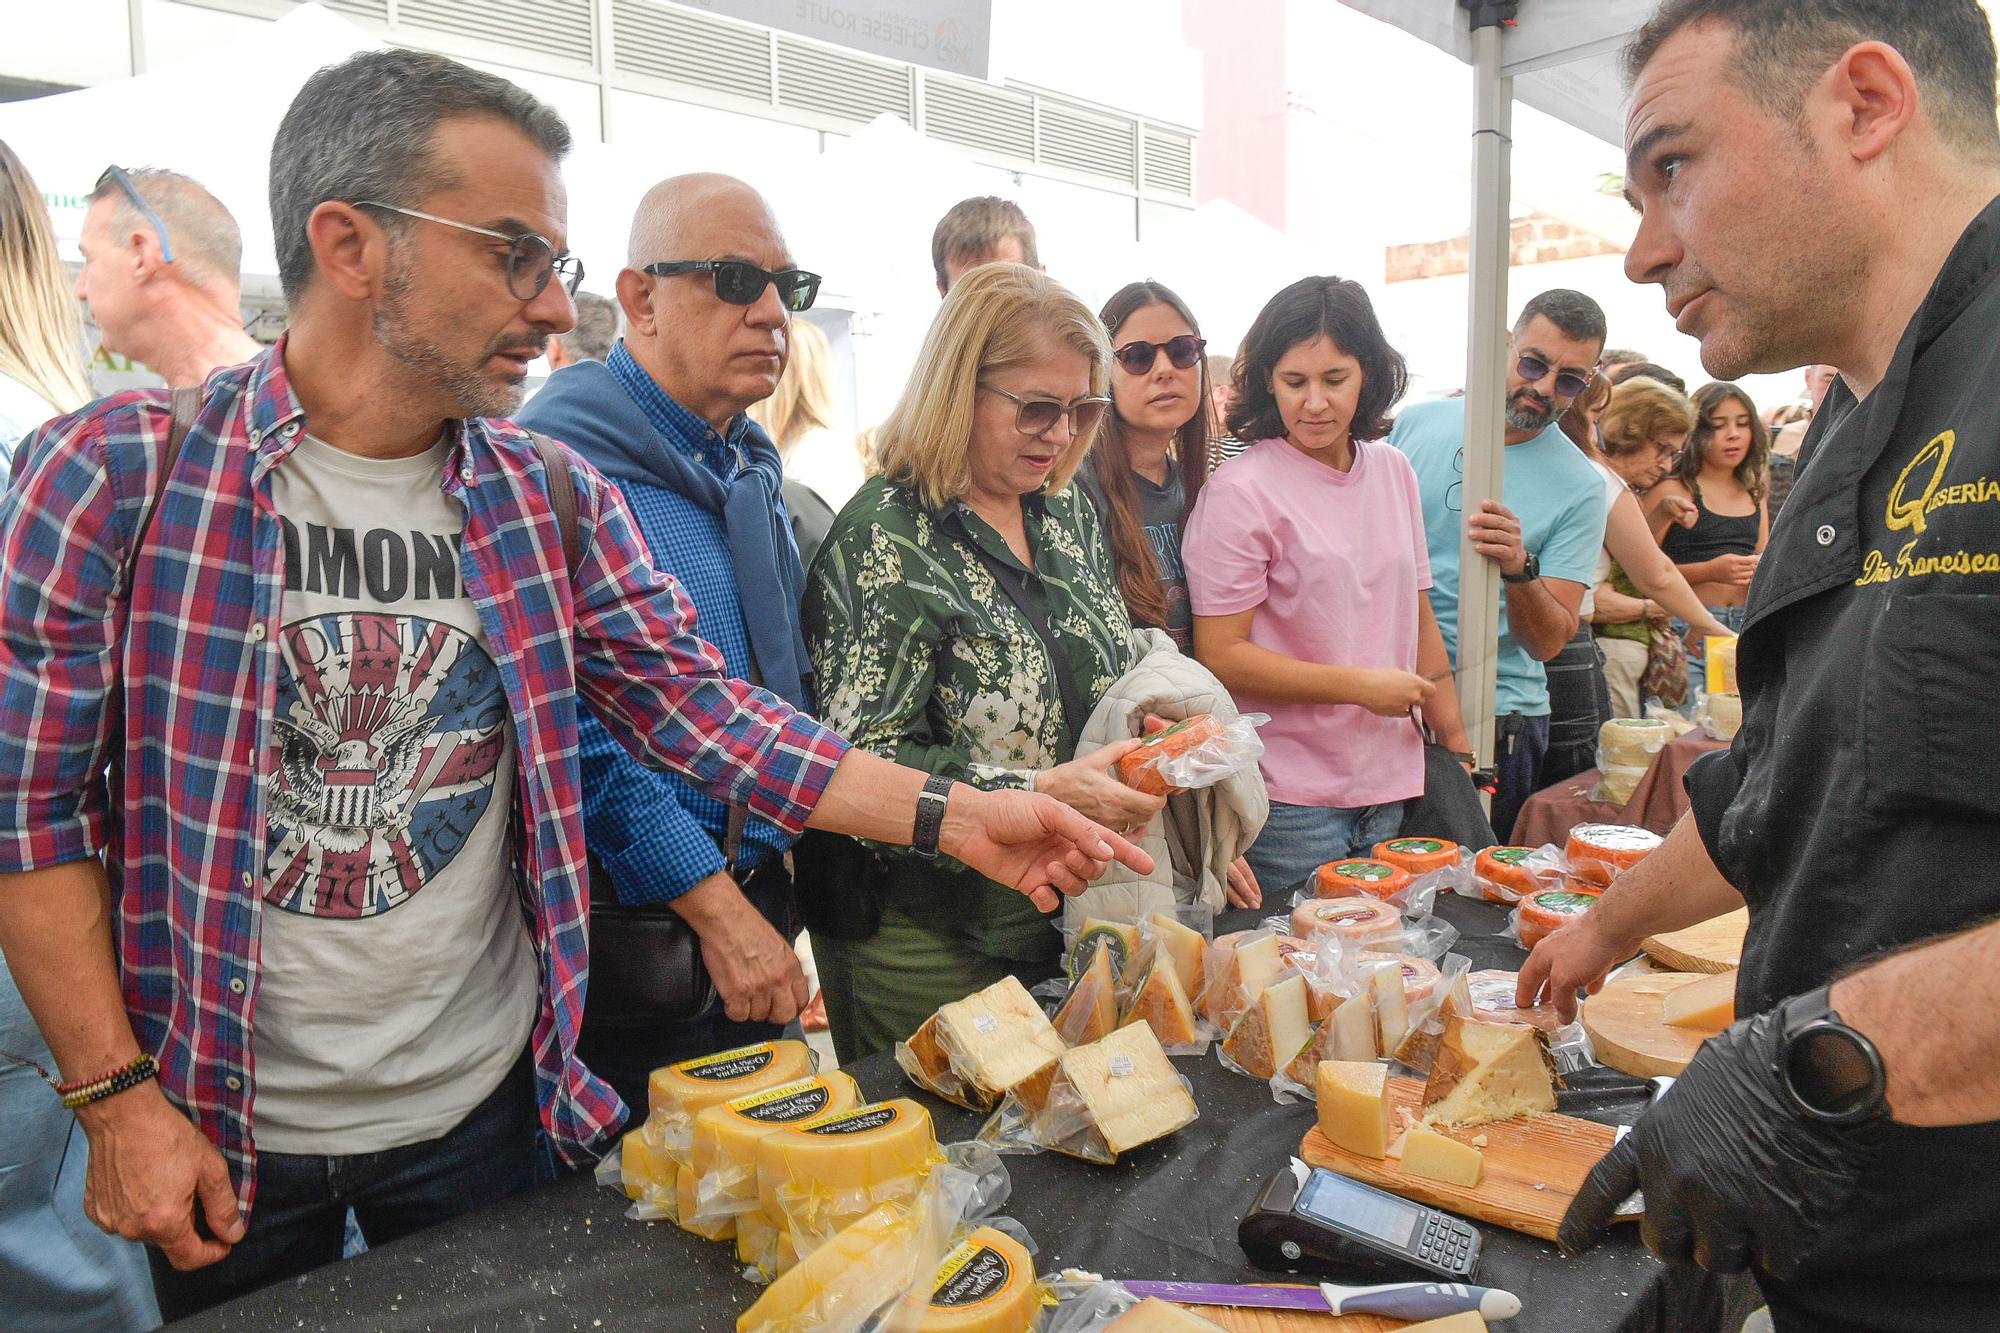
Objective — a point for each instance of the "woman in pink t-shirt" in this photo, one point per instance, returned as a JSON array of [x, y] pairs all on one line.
[[1307, 569]]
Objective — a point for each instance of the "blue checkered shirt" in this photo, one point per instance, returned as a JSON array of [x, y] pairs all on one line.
[[657, 836]]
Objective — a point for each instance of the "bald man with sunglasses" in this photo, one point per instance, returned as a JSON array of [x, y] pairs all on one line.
[[709, 292]]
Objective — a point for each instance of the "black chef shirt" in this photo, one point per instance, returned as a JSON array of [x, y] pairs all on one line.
[[1859, 808]]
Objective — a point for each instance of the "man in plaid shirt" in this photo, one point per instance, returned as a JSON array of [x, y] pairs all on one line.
[[289, 795]]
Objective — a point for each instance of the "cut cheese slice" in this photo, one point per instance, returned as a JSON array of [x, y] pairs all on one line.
[[1276, 1027], [1420, 975], [1238, 967], [1708, 1004], [1431, 1155], [1110, 1097], [1163, 1006], [1419, 856], [1091, 1009], [1465, 1321], [687, 1210], [985, 1285], [1120, 937], [692, 1086], [824, 1172], [1354, 1030], [844, 1281], [1353, 1100], [1185, 946], [1392, 1006], [724, 1150], [973, 1050], [1359, 920], [1154, 1315], [1488, 1071]]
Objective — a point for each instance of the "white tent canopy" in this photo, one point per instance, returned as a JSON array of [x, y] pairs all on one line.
[[1561, 57]]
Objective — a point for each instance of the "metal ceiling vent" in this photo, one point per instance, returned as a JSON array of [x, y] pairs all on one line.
[[833, 82], [1074, 138], [1169, 162], [976, 115], [559, 28], [679, 45]]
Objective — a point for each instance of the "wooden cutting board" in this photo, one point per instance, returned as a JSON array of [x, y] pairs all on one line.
[[1628, 1026], [1715, 945], [1554, 1152]]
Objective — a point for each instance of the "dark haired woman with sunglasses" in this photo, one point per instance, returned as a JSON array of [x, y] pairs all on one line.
[[1308, 568]]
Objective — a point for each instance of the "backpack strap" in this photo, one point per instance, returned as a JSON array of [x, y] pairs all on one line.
[[562, 498], [185, 406]]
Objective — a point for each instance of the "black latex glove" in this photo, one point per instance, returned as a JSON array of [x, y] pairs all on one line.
[[1731, 1169]]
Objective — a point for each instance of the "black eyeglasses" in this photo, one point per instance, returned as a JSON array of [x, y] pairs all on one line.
[[1038, 416], [1569, 383], [1457, 465], [739, 282], [116, 175], [1139, 358], [531, 259]]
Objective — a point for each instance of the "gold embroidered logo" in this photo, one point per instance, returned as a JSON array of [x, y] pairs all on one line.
[[1910, 514]]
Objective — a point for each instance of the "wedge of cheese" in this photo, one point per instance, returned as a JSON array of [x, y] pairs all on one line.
[[687, 1211], [1348, 1033], [1091, 1009], [724, 1154], [1274, 1029], [1488, 1071], [1185, 946], [692, 1086], [1238, 967], [1392, 1006], [972, 1051], [1121, 937], [1431, 1155], [986, 1284], [1353, 1102], [843, 1281], [822, 1173], [1163, 1006], [1109, 1097], [1708, 1005], [1154, 1315]]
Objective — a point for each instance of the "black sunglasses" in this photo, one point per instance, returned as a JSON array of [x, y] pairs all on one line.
[[1569, 383], [740, 283], [116, 175], [1139, 358], [1038, 416], [531, 260]]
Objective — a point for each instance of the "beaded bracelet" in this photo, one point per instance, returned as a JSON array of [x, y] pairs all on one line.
[[85, 1091]]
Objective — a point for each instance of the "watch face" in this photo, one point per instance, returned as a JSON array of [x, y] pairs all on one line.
[[1830, 1073]]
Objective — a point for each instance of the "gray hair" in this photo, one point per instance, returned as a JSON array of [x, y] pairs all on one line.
[[1575, 314], [596, 328], [363, 129], [203, 232]]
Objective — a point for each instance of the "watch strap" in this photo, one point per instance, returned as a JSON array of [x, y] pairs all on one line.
[[1529, 572], [1811, 1017], [930, 814]]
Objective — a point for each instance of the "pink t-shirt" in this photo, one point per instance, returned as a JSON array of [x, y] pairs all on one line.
[[1333, 562]]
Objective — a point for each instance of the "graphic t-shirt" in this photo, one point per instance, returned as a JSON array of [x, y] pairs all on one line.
[[397, 982], [1160, 510]]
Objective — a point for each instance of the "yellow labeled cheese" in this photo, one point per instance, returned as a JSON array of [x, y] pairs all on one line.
[[643, 1164], [1465, 1321], [1276, 1027], [1354, 1106], [724, 1156], [1154, 1315], [843, 1281], [1708, 1004], [1488, 1071], [973, 1050], [1163, 1006], [1435, 1157], [985, 1285], [687, 1211], [694, 1085], [1185, 946], [1091, 1009], [835, 1167]]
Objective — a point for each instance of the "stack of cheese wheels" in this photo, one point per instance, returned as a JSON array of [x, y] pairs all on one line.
[[1597, 852], [1139, 768], [1625, 750], [1542, 914], [1503, 875], [819, 1175], [1725, 715], [1420, 976], [1359, 875], [1419, 856], [1355, 920]]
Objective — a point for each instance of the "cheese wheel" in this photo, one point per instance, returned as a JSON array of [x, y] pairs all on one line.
[[985, 1285], [1419, 856], [724, 1151], [1350, 919], [1725, 715], [1542, 914], [1502, 874], [1616, 784], [692, 1086], [843, 1282], [844, 1162], [1597, 852], [1631, 742], [1138, 769], [1344, 879], [1420, 976], [1493, 993]]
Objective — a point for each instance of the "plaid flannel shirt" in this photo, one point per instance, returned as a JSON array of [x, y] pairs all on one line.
[[139, 727]]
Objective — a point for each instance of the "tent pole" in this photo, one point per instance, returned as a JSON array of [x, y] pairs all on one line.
[[1485, 379]]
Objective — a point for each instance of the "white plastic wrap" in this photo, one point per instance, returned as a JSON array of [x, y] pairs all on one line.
[[1493, 993], [1098, 1103], [1544, 865], [1227, 748], [1079, 1302]]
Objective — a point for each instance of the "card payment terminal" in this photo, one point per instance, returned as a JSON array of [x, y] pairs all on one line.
[[1311, 1220]]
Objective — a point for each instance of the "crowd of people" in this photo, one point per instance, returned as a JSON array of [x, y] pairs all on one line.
[[341, 671]]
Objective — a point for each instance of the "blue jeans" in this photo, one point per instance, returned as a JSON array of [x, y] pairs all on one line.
[[1299, 839], [1521, 743], [299, 1218]]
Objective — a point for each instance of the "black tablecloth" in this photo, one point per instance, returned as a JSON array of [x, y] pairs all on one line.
[[565, 1257]]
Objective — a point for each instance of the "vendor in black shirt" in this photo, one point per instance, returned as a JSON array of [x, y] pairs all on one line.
[[1807, 197]]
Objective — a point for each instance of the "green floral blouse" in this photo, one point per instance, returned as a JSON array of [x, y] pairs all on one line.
[[922, 657]]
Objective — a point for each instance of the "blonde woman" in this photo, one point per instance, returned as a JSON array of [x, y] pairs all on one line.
[[803, 421], [921, 616], [41, 338]]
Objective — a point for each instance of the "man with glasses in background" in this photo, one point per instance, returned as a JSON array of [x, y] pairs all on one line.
[[305, 725], [709, 292], [1544, 532], [161, 260]]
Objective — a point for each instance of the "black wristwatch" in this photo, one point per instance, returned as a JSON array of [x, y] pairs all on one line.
[[1529, 572], [1832, 1073], [930, 815]]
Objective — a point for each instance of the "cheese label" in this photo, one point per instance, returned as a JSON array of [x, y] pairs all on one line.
[[855, 1122], [726, 1065], [986, 1023], [971, 1275], [1368, 870], [1416, 846], [1510, 856], [1159, 736], [1568, 904], [1341, 914], [1121, 1066], [786, 1103], [1086, 947]]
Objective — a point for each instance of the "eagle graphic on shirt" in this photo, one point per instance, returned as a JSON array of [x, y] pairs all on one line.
[[390, 731]]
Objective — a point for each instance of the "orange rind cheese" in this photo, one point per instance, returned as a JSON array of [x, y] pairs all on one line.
[[1419, 856], [1503, 875], [1350, 919], [1597, 852], [1359, 875], [1542, 914], [1139, 769]]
